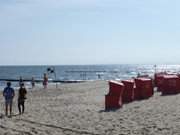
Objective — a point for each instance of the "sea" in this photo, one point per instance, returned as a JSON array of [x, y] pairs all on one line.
[[82, 72]]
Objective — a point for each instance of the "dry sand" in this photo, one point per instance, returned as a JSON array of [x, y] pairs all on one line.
[[78, 109]]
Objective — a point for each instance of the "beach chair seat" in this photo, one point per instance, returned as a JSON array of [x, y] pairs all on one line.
[[171, 84], [158, 80], [114, 98], [128, 93], [144, 88]]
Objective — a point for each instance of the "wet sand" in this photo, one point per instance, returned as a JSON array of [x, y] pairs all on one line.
[[78, 109]]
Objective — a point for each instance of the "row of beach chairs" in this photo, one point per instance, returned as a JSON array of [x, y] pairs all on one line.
[[140, 88]]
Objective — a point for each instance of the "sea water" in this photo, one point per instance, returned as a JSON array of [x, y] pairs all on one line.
[[82, 72]]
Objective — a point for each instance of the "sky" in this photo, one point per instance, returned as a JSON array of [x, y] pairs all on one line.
[[73, 32]]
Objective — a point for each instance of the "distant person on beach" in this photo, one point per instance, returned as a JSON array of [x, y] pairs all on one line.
[[21, 98], [20, 81], [33, 82], [45, 81], [8, 94]]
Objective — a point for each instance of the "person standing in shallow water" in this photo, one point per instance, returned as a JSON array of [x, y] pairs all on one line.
[[33, 82], [45, 81], [21, 98], [8, 94], [20, 81]]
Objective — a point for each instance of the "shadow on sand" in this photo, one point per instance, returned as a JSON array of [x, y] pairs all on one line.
[[3, 116], [171, 94], [109, 110]]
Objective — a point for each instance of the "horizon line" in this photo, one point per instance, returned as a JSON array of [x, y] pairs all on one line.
[[87, 64]]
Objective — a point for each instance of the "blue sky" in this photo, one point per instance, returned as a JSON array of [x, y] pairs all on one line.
[[35, 32]]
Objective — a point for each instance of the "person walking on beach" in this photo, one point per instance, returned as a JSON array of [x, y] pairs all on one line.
[[21, 98], [8, 94], [33, 82], [45, 81], [20, 81]]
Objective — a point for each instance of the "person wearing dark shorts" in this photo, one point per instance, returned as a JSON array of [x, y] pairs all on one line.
[[45, 81], [20, 81], [33, 82], [21, 98], [8, 94]]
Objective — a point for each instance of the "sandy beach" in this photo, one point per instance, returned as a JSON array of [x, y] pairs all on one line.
[[78, 109]]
